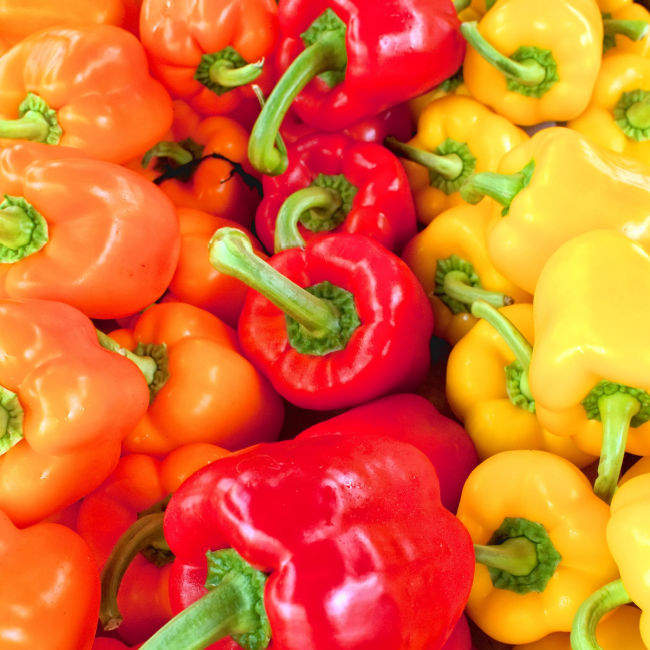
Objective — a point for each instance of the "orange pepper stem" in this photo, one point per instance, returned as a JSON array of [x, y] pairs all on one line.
[[168, 149], [616, 412], [605, 599], [145, 532], [516, 556], [450, 166], [321, 202], [326, 54], [23, 230], [632, 29], [228, 75], [147, 364], [11, 420], [233, 607], [15, 227], [37, 122]]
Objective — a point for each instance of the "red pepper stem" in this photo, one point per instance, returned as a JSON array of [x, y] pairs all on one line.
[[517, 342], [616, 411], [449, 166], [147, 365], [527, 73], [605, 599], [319, 200], [632, 29], [225, 73], [326, 53], [516, 555], [15, 227], [231, 253], [146, 531]]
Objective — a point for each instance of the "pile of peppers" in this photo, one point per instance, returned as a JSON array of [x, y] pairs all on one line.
[[317, 325]]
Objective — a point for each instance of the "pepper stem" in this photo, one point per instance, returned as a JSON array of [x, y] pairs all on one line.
[[320, 201], [632, 29], [11, 420], [15, 227], [516, 341], [517, 556], [147, 364], [36, 122], [144, 532], [327, 53], [231, 253], [459, 5], [450, 166], [458, 287], [632, 114], [169, 149], [605, 599], [227, 74]]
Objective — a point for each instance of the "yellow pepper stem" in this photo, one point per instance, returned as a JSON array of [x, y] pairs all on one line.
[[635, 30], [607, 598], [516, 556]]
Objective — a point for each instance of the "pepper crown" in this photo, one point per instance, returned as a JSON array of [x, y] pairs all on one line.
[[226, 69], [23, 230], [632, 114], [37, 122], [11, 420]]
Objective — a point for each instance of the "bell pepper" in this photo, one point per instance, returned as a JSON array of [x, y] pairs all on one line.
[[330, 541], [203, 389], [206, 167], [413, 419], [138, 484], [86, 87], [207, 53], [337, 184], [539, 539], [460, 638], [553, 187], [457, 136], [487, 391], [618, 116], [335, 324], [534, 61], [343, 60], [108, 643], [450, 259], [632, 12], [195, 280], [107, 246], [66, 405], [454, 85], [49, 592], [588, 371], [627, 531]]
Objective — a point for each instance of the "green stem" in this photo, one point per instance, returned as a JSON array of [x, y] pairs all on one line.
[[632, 29], [11, 420], [321, 201], [36, 122], [516, 556], [527, 73], [145, 532], [228, 75], [606, 599], [15, 227], [516, 341], [459, 5], [616, 412], [458, 287], [231, 253], [449, 166], [147, 365], [168, 149]]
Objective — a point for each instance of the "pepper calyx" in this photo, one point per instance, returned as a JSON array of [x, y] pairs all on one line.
[[515, 376], [328, 23], [632, 114], [35, 108], [534, 57], [226, 69], [23, 230], [338, 183], [605, 388], [11, 420], [449, 148], [157, 352]]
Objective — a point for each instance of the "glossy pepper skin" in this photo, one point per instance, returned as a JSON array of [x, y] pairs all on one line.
[[367, 179], [373, 340], [137, 484], [367, 507], [107, 246], [183, 38], [548, 490], [561, 40], [453, 247], [49, 594], [76, 399], [480, 393], [617, 117], [204, 389], [95, 81], [413, 419], [597, 189]]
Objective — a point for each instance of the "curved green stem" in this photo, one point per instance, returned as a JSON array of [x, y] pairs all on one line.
[[37, 122], [516, 556], [457, 286], [169, 149], [227, 74], [632, 29], [606, 599], [147, 365], [321, 201], [449, 166], [145, 532]]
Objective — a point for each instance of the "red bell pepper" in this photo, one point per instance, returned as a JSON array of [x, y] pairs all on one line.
[[367, 191], [352, 59], [321, 542], [357, 323], [460, 639], [414, 419]]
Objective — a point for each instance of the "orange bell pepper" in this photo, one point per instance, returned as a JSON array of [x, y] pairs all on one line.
[[139, 482], [107, 245], [49, 592], [66, 405], [86, 87], [204, 389]]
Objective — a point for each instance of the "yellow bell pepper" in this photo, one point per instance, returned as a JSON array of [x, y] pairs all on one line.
[[617, 631], [618, 116], [449, 258], [456, 136], [590, 365], [541, 507], [620, 43], [455, 85], [628, 531], [534, 60], [640, 467], [484, 390], [555, 186]]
